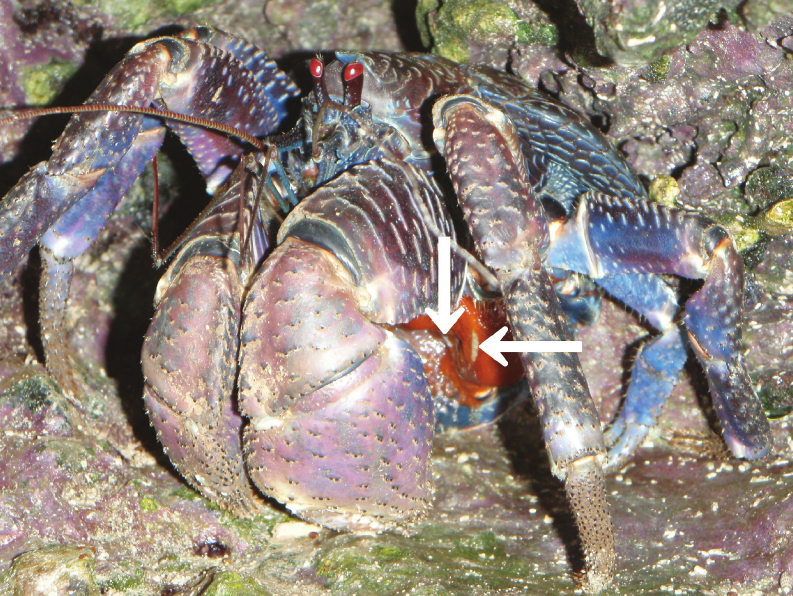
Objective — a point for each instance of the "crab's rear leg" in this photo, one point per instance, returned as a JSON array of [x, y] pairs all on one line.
[[608, 237], [508, 225]]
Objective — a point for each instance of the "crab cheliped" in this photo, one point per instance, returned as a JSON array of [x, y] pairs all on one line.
[[289, 354]]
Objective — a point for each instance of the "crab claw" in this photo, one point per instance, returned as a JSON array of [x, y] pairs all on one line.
[[341, 418], [189, 355], [340, 413]]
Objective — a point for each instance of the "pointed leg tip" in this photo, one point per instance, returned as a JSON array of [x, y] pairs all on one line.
[[586, 490]]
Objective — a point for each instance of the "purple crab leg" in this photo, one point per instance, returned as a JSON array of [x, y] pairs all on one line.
[[507, 222], [72, 234], [657, 366], [55, 284], [341, 416], [610, 236], [229, 81], [64, 203]]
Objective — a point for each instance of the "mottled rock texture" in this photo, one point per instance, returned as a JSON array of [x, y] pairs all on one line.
[[88, 497]]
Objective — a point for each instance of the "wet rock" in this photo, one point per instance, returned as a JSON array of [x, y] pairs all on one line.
[[52, 571], [220, 582], [634, 33]]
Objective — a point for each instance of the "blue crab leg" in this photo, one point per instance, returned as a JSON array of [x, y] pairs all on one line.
[[341, 416], [507, 222], [610, 236], [658, 363]]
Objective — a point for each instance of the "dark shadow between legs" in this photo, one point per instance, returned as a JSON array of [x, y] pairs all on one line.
[[521, 433]]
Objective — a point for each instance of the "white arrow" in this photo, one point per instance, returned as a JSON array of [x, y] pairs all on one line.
[[444, 319], [493, 346]]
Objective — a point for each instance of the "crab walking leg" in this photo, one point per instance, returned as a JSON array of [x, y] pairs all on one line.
[[55, 284], [341, 416], [564, 152], [657, 366], [610, 236], [480, 145], [190, 352], [65, 202], [183, 75]]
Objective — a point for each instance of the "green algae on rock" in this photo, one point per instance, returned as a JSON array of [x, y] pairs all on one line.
[[459, 28], [43, 82]]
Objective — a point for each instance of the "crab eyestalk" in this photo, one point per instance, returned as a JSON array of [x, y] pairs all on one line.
[[317, 69], [353, 84]]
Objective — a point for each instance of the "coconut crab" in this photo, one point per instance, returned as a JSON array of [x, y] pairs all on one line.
[[334, 391]]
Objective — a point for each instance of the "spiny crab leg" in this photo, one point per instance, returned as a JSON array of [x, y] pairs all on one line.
[[507, 222], [595, 241], [64, 203]]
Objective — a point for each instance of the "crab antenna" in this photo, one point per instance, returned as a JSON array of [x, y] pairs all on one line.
[[104, 107], [353, 84], [317, 68], [155, 213]]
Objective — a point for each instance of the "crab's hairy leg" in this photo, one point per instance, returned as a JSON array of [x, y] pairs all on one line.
[[55, 285], [190, 351], [279, 88], [77, 228], [341, 417], [713, 319], [658, 362], [610, 236], [227, 80], [88, 150], [70, 236], [508, 225]]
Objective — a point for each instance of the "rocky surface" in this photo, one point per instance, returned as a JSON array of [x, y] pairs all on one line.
[[88, 503]]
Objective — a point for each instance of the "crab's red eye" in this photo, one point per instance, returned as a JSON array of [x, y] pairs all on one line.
[[353, 84], [316, 67], [352, 70]]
